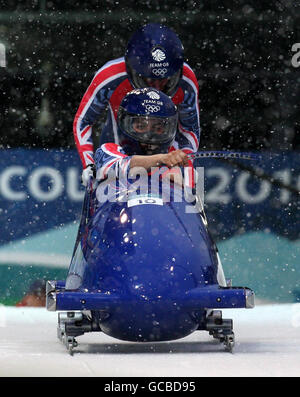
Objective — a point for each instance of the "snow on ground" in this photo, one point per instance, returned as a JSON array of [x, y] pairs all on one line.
[[267, 344]]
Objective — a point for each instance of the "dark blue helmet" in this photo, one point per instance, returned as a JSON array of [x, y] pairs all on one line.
[[147, 122], [154, 57]]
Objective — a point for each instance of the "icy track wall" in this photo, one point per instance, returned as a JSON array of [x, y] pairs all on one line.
[[254, 221]]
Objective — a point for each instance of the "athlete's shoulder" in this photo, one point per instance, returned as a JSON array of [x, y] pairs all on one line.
[[113, 149], [111, 70], [105, 152], [113, 66], [187, 70], [189, 75]]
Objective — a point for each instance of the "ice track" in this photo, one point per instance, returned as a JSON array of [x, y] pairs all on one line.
[[267, 344]]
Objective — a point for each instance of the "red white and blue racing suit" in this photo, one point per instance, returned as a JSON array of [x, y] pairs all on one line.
[[107, 89], [111, 157]]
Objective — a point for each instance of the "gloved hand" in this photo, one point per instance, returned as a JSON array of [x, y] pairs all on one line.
[[88, 173]]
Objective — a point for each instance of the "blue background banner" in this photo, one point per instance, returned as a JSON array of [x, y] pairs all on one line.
[[237, 201], [40, 189], [254, 222]]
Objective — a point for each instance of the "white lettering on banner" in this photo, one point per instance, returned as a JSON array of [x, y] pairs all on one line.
[[32, 182], [73, 191], [221, 192], [35, 185], [285, 177], [18, 183], [217, 194], [5, 183], [245, 196]]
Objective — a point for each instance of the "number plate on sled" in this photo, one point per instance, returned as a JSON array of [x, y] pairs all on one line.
[[141, 200]]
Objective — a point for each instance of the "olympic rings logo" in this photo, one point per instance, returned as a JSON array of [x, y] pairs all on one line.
[[159, 72], [152, 108]]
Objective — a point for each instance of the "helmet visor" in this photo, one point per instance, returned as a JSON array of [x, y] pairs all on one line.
[[167, 85], [149, 129]]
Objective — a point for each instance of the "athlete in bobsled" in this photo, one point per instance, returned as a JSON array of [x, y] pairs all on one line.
[[154, 57], [144, 266], [147, 121]]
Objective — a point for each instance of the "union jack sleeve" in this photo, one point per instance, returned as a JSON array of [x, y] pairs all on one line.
[[93, 103], [111, 156], [188, 135]]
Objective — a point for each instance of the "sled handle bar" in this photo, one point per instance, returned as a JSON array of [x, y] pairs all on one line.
[[224, 155]]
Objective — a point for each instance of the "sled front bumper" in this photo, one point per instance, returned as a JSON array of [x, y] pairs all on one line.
[[210, 297]]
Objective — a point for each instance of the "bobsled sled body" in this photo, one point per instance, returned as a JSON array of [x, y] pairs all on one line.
[[145, 267]]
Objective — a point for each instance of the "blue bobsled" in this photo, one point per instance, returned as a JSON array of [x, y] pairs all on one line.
[[144, 269]]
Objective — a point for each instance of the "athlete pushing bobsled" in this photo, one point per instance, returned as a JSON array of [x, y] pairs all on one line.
[[154, 58]]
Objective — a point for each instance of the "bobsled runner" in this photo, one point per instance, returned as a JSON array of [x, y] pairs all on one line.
[[144, 268]]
